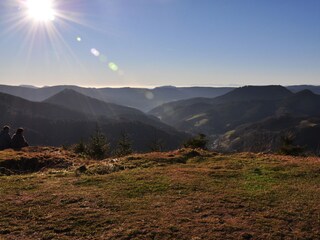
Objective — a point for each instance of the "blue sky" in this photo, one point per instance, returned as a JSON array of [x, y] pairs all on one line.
[[163, 42]]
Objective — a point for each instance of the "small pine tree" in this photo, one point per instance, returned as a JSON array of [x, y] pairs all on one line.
[[124, 146], [80, 147], [157, 145], [318, 150], [98, 146], [199, 141], [288, 147]]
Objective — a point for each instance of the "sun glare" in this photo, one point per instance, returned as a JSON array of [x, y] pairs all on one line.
[[45, 22], [40, 10]]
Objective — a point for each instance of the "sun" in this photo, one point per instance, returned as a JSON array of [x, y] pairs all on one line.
[[40, 10]]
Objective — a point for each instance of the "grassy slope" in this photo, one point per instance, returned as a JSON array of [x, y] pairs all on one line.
[[175, 195]]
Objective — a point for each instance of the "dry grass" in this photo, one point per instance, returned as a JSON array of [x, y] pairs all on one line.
[[178, 195]]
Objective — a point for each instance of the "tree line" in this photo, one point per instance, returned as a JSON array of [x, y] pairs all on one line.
[[98, 146]]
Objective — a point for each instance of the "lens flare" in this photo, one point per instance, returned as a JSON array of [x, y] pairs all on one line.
[[149, 95], [79, 39], [95, 52], [113, 66]]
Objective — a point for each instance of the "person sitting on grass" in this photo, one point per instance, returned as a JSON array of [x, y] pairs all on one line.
[[5, 139], [18, 140]]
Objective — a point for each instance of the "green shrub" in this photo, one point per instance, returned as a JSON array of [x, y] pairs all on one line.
[[288, 147], [199, 141]]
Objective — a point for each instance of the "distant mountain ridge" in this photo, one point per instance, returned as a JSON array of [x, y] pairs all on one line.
[[251, 93], [141, 98], [298, 88]]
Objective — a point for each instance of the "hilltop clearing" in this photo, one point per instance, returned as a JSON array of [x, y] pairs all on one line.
[[184, 194]]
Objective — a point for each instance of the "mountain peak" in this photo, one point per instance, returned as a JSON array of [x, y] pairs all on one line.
[[70, 95], [248, 93], [166, 87], [28, 86], [68, 91], [74, 100]]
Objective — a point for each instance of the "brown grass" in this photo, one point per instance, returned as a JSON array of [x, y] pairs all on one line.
[[176, 195]]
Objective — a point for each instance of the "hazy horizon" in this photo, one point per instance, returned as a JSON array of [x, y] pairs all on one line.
[[153, 43], [159, 86]]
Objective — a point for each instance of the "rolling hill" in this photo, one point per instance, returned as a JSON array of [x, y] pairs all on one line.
[[217, 115], [51, 124], [243, 112]]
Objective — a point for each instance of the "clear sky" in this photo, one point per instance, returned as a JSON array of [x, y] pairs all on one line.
[[161, 42]]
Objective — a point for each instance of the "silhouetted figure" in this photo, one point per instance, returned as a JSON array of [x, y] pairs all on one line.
[[18, 140], [5, 139]]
